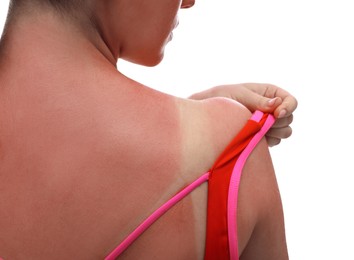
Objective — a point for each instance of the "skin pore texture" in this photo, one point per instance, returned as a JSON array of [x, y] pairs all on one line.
[[87, 153]]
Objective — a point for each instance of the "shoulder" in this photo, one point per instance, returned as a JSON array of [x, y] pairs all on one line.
[[224, 120], [208, 126]]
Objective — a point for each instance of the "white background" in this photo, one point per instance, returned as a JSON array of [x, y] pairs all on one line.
[[306, 47]]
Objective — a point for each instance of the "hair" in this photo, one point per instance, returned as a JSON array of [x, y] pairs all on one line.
[[63, 7], [66, 9]]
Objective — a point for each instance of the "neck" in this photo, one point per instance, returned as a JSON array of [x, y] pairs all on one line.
[[46, 41]]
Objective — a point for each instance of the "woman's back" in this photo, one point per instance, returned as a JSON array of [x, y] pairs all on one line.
[[79, 172], [68, 158], [87, 154], [80, 168]]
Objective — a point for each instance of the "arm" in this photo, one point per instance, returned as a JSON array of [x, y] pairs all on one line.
[[261, 220]]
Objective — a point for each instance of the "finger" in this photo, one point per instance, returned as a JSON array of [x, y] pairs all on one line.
[[272, 141], [286, 108], [281, 133], [283, 122], [271, 103]]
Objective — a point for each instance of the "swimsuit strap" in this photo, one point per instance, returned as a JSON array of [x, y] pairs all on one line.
[[156, 215], [217, 230]]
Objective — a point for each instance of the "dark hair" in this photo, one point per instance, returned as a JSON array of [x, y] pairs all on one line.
[[67, 9], [62, 6]]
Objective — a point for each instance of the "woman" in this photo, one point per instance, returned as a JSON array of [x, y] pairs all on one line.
[[87, 154]]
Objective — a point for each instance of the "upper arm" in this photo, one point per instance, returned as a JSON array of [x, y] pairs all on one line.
[[260, 215]]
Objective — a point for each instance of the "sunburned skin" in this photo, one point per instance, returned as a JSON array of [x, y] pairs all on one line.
[[86, 154], [90, 152], [88, 184], [85, 180]]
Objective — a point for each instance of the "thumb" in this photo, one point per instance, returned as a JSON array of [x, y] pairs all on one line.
[[270, 104], [254, 101]]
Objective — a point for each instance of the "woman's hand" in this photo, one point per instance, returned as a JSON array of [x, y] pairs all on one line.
[[263, 97]]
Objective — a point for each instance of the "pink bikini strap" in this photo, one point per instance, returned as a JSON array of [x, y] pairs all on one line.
[[157, 214], [235, 182]]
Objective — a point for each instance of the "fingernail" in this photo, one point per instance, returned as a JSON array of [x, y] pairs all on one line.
[[271, 102], [282, 113]]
